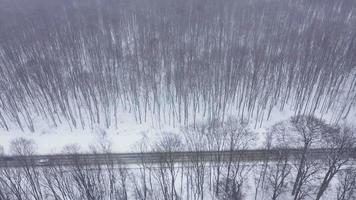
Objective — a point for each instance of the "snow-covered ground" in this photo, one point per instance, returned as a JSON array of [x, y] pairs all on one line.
[[125, 138], [51, 140]]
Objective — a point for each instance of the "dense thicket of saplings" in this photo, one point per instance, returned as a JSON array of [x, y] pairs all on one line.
[[82, 62]]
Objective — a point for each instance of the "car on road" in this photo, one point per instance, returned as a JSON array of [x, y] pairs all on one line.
[[42, 162]]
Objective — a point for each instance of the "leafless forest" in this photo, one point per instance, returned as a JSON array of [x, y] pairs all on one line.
[[215, 68], [81, 62]]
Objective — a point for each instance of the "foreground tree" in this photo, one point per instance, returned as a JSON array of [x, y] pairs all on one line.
[[309, 130], [277, 176], [346, 189], [341, 141], [168, 168]]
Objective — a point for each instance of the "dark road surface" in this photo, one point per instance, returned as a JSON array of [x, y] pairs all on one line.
[[162, 157]]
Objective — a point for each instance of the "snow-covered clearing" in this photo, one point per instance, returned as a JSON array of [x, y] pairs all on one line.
[[50, 140], [127, 137]]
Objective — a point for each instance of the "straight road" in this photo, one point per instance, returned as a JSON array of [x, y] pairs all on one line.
[[164, 157]]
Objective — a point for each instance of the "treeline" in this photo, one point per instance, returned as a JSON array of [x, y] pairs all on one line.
[[83, 62], [303, 177]]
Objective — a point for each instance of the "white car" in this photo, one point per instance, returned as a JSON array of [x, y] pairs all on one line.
[[42, 162]]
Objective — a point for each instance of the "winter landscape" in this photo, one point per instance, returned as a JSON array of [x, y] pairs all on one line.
[[177, 99]]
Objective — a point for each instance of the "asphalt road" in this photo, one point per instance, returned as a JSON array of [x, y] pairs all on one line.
[[165, 157]]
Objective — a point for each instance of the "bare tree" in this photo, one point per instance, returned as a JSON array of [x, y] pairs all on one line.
[[168, 171], [22, 147], [277, 175], [346, 189], [309, 130], [31, 175], [341, 141]]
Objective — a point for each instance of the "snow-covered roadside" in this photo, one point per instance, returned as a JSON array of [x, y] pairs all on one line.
[[125, 138], [52, 140]]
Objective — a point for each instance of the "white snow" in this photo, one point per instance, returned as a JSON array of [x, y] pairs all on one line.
[[52, 140], [125, 138]]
